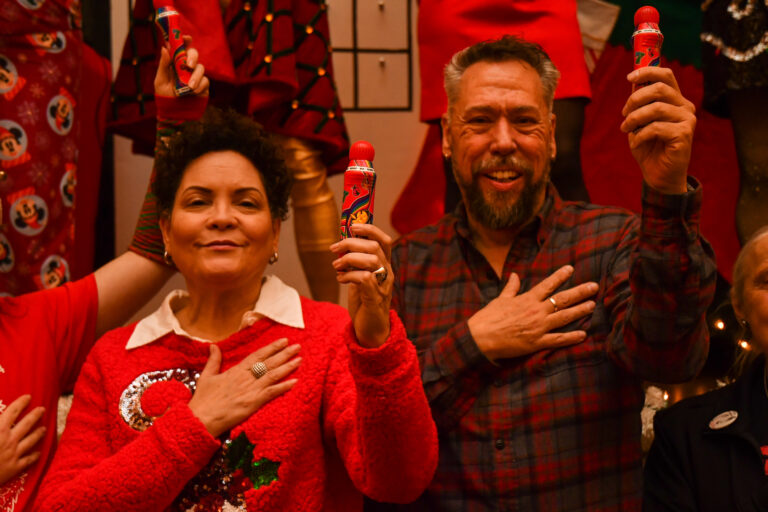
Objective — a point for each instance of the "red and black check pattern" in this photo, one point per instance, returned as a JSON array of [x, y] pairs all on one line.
[[559, 429]]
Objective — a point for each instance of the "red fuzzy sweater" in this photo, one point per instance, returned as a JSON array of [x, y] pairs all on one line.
[[356, 421]]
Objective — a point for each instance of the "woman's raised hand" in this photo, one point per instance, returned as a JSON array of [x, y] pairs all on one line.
[[17, 439], [224, 400], [364, 263], [165, 78]]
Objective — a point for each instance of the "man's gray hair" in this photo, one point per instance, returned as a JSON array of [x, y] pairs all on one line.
[[508, 48]]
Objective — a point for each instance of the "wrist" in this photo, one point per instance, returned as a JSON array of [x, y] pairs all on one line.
[[214, 427], [482, 341], [372, 326], [372, 336], [677, 187]]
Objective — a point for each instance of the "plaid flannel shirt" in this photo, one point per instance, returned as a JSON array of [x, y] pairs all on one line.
[[559, 429]]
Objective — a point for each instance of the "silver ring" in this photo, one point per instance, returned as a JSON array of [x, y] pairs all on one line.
[[381, 274], [259, 369], [554, 303]]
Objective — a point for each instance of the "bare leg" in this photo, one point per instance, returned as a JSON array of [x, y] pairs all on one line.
[[315, 217], [749, 110], [566, 169]]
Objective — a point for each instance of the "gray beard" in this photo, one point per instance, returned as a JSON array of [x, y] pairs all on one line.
[[495, 211]]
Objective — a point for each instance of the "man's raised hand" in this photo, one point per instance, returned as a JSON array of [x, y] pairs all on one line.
[[659, 123]]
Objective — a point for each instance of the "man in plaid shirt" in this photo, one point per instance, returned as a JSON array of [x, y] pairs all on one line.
[[536, 320]]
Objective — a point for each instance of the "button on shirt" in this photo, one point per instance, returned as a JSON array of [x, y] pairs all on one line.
[[560, 428]]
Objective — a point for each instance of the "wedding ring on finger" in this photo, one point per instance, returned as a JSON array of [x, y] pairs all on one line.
[[380, 274], [554, 303], [259, 369]]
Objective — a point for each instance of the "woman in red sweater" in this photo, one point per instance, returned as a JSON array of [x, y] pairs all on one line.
[[239, 394]]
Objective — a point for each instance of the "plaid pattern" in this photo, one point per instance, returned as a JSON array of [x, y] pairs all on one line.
[[559, 429]]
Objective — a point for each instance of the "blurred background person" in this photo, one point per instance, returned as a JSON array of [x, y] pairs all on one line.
[[710, 452]]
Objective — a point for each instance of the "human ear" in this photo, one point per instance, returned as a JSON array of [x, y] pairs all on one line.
[[445, 125], [738, 307], [165, 228]]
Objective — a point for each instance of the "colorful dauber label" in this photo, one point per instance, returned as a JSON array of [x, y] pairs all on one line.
[[357, 202], [168, 20]]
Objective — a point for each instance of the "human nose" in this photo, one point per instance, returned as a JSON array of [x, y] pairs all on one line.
[[504, 138], [222, 216]]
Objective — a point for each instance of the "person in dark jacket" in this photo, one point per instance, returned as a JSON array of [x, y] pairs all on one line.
[[710, 452]]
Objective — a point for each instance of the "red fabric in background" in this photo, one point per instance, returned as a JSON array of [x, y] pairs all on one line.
[[447, 26], [423, 198], [94, 105], [613, 177]]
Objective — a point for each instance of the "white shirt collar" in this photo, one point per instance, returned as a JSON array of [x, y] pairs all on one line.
[[277, 301]]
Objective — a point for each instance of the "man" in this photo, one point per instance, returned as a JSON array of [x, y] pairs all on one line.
[[535, 389]]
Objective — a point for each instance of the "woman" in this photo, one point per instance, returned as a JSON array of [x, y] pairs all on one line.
[[710, 452], [295, 409]]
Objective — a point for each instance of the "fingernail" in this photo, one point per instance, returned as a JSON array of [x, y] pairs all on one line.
[[295, 347], [632, 76], [282, 342], [292, 381], [593, 287], [296, 360]]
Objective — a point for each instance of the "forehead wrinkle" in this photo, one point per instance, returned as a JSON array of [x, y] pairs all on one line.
[[484, 108], [206, 190]]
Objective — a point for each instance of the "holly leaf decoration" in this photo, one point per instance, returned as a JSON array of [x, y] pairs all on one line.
[[240, 457]]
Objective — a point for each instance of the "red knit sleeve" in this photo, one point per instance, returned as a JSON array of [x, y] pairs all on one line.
[[99, 467], [380, 418]]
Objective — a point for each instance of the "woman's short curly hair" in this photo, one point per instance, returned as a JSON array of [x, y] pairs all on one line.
[[220, 130]]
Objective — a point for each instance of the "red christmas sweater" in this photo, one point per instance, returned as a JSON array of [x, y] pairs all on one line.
[[356, 421]]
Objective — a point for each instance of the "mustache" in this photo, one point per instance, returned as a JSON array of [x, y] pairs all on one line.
[[509, 162]]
